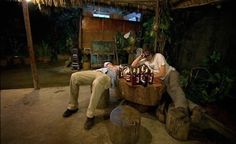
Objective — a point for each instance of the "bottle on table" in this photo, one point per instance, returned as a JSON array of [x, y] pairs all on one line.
[[151, 77], [128, 75], [133, 76], [144, 75], [120, 72]]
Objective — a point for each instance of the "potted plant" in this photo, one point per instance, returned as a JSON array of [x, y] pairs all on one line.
[[43, 52]]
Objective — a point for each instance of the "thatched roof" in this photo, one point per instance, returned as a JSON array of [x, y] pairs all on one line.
[[138, 4]]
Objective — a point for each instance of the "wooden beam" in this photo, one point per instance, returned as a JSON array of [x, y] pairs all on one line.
[[157, 16], [30, 44]]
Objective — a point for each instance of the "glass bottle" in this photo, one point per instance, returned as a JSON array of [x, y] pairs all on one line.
[[133, 76], [121, 68], [151, 77], [138, 76], [128, 75], [143, 76]]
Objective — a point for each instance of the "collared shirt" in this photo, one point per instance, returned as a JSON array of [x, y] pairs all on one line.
[[111, 73], [103, 70]]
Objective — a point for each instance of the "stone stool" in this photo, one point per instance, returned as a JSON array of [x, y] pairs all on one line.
[[124, 126]]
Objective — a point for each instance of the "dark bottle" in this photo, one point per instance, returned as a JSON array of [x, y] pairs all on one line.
[[128, 75], [133, 76], [138, 76], [151, 77], [144, 76], [121, 71]]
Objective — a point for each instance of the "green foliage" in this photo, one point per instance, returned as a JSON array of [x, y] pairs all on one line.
[[151, 29], [210, 83], [165, 24], [121, 44], [66, 28], [149, 34], [43, 49]]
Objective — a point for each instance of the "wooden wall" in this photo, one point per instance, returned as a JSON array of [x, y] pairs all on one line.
[[94, 29]]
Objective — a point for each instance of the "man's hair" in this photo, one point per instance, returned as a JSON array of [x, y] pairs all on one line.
[[147, 48]]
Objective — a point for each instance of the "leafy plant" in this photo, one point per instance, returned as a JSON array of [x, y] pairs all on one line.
[[208, 83], [43, 49], [158, 29], [121, 44]]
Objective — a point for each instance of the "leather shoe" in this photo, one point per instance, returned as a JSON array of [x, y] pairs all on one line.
[[69, 112], [89, 123]]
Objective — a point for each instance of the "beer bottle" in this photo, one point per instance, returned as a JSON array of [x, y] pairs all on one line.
[[138, 76], [128, 75], [121, 71], [146, 74], [151, 77], [143, 76], [133, 76]]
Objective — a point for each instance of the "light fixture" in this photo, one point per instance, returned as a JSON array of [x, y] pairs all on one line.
[[101, 15]]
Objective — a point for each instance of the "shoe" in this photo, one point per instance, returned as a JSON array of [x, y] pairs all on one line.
[[69, 112], [89, 123]]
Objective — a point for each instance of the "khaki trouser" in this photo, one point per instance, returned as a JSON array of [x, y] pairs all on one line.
[[175, 91], [99, 82]]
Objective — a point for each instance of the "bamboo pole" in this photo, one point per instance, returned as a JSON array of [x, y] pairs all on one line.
[[157, 16], [30, 44]]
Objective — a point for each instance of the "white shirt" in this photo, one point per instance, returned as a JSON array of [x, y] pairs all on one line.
[[155, 65]]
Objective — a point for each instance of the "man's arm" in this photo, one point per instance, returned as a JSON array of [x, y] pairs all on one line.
[[136, 63], [161, 73]]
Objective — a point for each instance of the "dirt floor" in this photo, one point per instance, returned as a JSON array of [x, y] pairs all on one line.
[[35, 116], [56, 74], [20, 76], [54, 81]]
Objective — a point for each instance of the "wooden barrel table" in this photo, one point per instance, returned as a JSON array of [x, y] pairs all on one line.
[[148, 96]]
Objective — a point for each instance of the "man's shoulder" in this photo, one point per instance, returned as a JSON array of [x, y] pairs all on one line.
[[159, 55]]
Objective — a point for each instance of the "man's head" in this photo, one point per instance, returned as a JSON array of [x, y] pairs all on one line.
[[106, 64], [148, 55]]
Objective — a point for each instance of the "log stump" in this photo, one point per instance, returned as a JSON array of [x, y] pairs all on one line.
[[124, 126], [177, 123], [147, 96], [161, 113]]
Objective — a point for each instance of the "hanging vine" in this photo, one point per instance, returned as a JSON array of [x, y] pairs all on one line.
[[158, 28], [163, 30]]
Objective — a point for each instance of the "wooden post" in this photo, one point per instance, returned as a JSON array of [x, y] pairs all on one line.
[[157, 16], [30, 44], [80, 29]]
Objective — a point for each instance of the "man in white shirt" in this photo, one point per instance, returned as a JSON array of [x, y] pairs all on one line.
[[100, 79], [162, 70]]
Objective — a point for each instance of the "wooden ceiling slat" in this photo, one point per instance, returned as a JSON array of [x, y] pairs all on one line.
[[138, 4]]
